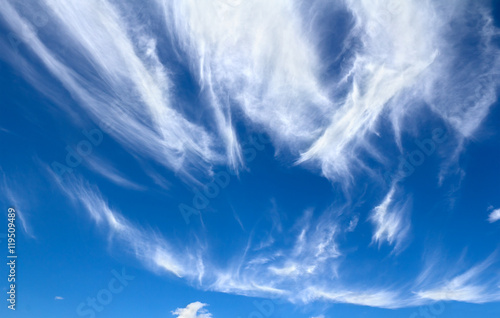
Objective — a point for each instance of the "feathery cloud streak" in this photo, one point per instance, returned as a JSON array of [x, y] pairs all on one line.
[[269, 67]]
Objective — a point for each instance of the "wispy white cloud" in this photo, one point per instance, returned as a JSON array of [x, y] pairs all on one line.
[[131, 93], [108, 171], [268, 66], [405, 56], [310, 256], [373, 298], [193, 310], [271, 68], [474, 285], [352, 224], [156, 253], [13, 197], [384, 67], [391, 220], [303, 270], [400, 57]]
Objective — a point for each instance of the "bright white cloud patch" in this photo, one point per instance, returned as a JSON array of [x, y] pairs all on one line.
[[494, 216], [193, 310]]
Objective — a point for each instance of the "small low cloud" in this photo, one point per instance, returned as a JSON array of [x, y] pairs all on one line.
[[193, 310], [58, 298], [494, 216]]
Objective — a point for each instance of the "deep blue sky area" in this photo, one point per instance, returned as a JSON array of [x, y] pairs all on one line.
[[250, 158]]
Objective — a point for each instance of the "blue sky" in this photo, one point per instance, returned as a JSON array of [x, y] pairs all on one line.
[[234, 158]]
